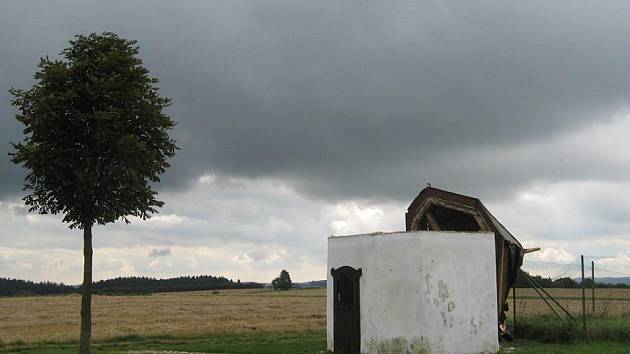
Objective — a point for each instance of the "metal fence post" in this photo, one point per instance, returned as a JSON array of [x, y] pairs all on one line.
[[583, 297], [593, 279]]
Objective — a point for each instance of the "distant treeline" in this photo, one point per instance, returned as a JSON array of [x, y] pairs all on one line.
[[152, 285], [566, 282], [16, 287], [310, 284], [127, 285]]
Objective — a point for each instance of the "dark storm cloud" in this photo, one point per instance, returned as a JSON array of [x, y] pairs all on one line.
[[352, 99]]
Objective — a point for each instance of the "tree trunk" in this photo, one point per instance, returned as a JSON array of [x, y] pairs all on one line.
[[86, 292]]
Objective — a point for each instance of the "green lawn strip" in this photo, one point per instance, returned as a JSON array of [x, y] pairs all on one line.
[[233, 343], [281, 343], [534, 347], [263, 343], [548, 328]]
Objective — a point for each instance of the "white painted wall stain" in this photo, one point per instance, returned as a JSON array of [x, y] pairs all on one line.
[[421, 292]]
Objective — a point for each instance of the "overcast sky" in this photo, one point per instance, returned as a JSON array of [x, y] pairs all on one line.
[[301, 119]]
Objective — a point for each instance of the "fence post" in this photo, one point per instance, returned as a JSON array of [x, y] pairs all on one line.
[[583, 297], [514, 307], [593, 279]]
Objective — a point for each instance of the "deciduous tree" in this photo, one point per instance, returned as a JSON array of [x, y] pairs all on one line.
[[283, 282], [96, 140]]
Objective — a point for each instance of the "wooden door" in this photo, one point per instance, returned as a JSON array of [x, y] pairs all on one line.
[[347, 318]]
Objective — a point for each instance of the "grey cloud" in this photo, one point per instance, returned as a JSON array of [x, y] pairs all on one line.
[[351, 100], [347, 101], [13, 208], [160, 252]]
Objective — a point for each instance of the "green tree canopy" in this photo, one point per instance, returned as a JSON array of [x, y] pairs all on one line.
[[95, 134], [283, 282]]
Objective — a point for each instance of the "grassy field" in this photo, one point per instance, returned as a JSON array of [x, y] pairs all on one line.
[[610, 321], [262, 321], [188, 314], [608, 302], [304, 342], [262, 342], [592, 347]]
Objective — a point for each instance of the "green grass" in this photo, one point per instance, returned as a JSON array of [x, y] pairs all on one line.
[[549, 329], [534, 335], [580, 347], [233, 343]]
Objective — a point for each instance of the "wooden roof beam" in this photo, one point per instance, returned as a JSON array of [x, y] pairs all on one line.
[[433, 221]]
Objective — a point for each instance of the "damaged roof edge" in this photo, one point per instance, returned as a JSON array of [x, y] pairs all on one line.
[[378, 233], [471, 202]]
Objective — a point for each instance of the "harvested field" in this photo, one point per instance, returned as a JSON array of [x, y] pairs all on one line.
[[187, 314], [202, 313], [608, 302]]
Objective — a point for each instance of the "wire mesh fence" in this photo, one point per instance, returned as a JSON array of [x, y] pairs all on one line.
[[577, 292], [608, 271]]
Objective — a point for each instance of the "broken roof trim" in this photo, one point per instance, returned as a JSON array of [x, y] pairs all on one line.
[[378, 233], [470, 205]]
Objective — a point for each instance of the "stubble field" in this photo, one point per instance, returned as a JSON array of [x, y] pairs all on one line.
[[186, 314]]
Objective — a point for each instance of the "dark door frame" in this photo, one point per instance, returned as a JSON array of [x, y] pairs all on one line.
[[353, 276]]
